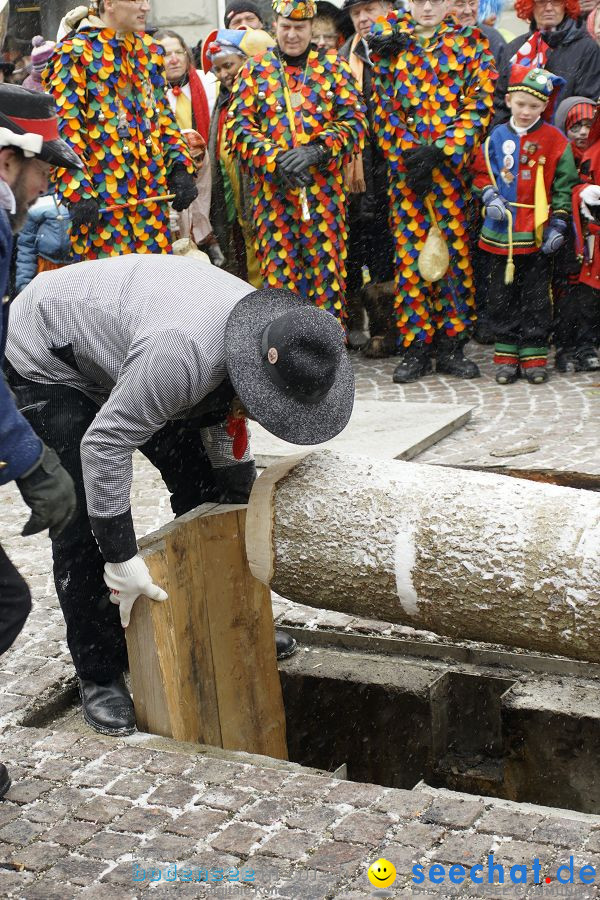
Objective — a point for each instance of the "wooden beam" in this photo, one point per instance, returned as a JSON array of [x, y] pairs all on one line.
[[203, 664]]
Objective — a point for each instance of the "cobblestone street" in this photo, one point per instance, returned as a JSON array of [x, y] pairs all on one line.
[[83, 809]]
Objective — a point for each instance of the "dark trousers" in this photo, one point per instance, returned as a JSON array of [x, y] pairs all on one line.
[[520, 313], [370, 241], [15, 602], [61, 416], [577, 322]]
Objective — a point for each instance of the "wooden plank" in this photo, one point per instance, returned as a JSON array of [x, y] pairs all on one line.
[[151, 710], [190, 678], [242, 637], [203, 664]]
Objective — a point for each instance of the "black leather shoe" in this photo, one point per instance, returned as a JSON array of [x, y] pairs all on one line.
[[586, 361], [4, 780], [286, 645], [414, 364], [107, 707], [456, 363]]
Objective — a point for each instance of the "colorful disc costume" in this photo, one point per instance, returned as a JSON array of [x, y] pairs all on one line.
[[304, 256], [435, 90], [110, 92]]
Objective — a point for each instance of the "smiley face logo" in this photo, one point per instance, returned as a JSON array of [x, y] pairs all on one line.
[[381, 873]]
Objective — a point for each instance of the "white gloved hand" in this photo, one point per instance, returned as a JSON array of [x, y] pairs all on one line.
[[127, 581], [590, 196]]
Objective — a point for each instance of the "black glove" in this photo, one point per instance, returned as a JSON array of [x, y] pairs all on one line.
[[387, 44], [49, 491], [85, 212], [234, 483], [420, 164], [293, 164], [183, 185]]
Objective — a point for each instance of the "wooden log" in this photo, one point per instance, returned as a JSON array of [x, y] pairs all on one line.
[[465, 554], [203, 664]]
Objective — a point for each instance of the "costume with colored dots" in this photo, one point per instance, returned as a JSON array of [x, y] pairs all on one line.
[[435, 91], [110, 92], [304, 256]]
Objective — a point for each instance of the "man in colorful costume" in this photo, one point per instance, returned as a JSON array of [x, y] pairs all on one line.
[[108, 80], [433, 83], [526, 173], [295, 120]]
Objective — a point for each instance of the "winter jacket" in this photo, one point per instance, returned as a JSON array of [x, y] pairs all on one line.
[[574, 55], [45, 234], [20, 447], [496, 42]]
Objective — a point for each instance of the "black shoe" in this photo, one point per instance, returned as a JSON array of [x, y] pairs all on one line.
[[415, 362], [285, 644], [4, 780], [577, 361], [454, 362], [586, 361], [107, 707], [536, 375], [507, 374], [565, 361]]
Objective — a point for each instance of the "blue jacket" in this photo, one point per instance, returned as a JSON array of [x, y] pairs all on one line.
[[20, 447], [45, 234]]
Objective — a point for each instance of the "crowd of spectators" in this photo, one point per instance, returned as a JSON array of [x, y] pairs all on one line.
[[352, 249]]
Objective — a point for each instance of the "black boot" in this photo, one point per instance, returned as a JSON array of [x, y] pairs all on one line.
[[4, 780], [285, 644], [586, 360], [450, 359], [107, 707], [415, 362]]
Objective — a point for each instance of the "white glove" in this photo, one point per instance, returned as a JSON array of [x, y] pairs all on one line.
[[590, 196], [127, 581]]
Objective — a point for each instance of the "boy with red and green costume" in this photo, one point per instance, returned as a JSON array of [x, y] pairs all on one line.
[[526, 172]]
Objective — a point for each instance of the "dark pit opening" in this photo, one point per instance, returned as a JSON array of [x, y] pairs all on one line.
[[397, 720]]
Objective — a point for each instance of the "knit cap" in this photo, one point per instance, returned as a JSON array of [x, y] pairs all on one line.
[[41, 53], [239, 6], [579, 112]]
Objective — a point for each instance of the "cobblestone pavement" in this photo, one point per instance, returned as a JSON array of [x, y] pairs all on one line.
[[327, 829], [548, 426], [87, 812]]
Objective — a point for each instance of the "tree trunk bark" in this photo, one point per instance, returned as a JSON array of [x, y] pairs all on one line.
[[468, 555]]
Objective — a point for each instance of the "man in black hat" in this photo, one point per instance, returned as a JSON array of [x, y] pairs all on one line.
[[149, 352], [370, 242], [29, 146], [242, 14]]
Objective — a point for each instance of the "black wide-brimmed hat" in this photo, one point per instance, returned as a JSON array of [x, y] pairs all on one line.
[[288, 364], [29, 112]]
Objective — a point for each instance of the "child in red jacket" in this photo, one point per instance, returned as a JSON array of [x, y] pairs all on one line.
[[574, 303], [525, 172], [586, 216]]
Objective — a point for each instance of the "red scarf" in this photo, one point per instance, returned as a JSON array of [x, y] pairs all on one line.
[[534, 52], [199, 102]]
